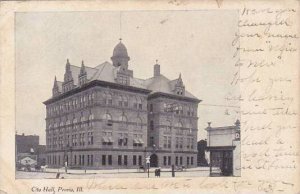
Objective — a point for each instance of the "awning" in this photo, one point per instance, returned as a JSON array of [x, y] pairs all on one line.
[[141, 141], [220, 148], [105, 139], [110, 139]]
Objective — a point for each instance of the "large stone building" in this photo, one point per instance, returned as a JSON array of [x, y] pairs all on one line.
[[104, 117]]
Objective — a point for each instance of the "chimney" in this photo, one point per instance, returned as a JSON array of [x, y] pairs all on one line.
[[209, 123], [156, 70]]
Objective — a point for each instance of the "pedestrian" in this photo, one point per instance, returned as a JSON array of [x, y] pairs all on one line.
[[158, 172]]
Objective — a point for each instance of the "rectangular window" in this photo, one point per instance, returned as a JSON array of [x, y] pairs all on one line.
[[140, 160], [165, 160], [169, 160], [88, 160], [75, 160], [119, 160], [103, 160], [125, 140], [140, 106], [151, 125], [151, 143], [120, 141], [177, 142], [92, 160], [82, 160], [188, 161], [180, 142], [151, 107], [109, 159], [180, 160], [165, 141], [192, 160], [169, 142], [134, 160], [176, 160], [125, 160]]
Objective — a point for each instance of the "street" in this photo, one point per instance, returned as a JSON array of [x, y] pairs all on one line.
[[114, 173]]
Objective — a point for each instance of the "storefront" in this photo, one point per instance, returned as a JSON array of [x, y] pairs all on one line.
[[221, 160]]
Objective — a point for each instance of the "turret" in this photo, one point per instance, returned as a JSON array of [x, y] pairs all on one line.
[[68, 78], [55, 89], [82, 77], [179, 87]]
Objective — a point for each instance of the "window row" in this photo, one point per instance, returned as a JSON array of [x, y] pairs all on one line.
[[178, 109], [84, 121], [169, 125], [122, 101], [71, 104], [80, 139], [122, 160], [167, 160]]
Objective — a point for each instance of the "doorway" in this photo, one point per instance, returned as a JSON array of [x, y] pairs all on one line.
[[153, 160]]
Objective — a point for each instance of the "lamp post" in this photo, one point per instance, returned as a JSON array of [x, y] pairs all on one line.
[[148, 164]]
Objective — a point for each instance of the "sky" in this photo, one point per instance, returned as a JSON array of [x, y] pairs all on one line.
[[196, 44]]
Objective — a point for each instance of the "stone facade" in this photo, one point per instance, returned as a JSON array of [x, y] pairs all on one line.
[[103, 117]]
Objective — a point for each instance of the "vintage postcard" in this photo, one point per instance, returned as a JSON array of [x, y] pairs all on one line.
[[163, 96]]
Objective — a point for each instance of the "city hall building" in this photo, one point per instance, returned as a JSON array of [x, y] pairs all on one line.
[[104, 117]]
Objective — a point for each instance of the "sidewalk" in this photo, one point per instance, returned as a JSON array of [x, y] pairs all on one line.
[[119, 171], [114, 173]]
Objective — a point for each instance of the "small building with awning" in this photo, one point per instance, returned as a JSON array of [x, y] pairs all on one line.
[[224, 150]]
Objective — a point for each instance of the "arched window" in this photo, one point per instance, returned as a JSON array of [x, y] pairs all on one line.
[[179, 124], [139, 123], [107, 119], [123, 118], [91, 117], [125, 101], [135, 102], [165, 106], [168, 126], [68, 122], [180, 109], [120, 101], [75, 121], [169, 108], [82, 119], [108, 99], [139, 102]]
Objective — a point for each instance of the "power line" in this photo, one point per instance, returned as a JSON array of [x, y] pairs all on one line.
[[218, 105]]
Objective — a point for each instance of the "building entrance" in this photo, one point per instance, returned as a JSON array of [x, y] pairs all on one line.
[[153, 160], [222, 162]]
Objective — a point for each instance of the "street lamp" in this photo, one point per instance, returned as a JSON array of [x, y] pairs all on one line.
[[148, 164]]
